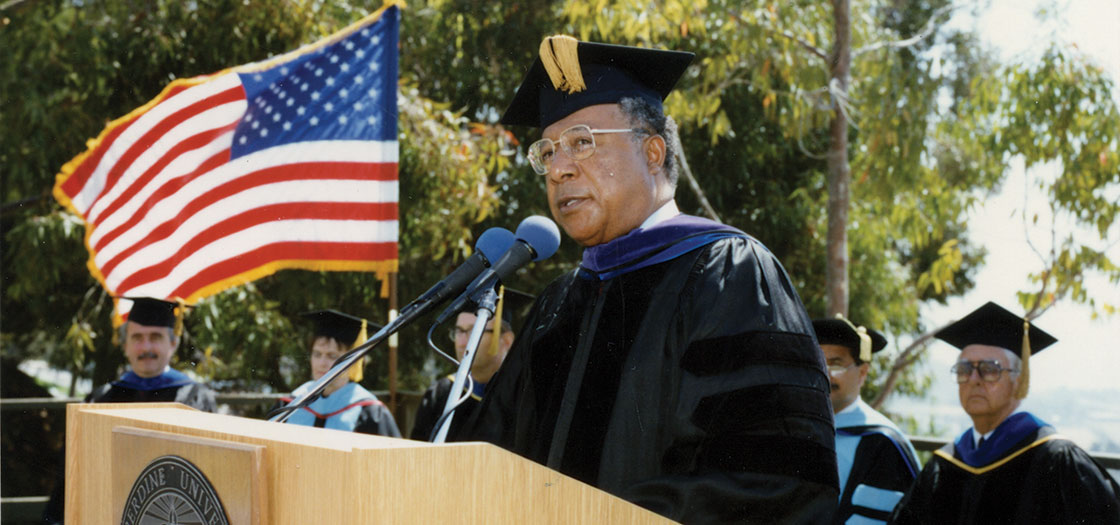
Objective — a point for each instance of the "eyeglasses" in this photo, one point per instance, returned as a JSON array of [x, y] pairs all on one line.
[[990, 370], [577, 141], [839, 369], [455, 332]]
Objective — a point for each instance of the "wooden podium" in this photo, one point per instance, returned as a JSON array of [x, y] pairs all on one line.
[[167, 463]]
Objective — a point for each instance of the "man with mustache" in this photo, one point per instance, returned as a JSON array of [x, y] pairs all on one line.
[[1010, 467], [676, 367], [150, 338], [876, 462]]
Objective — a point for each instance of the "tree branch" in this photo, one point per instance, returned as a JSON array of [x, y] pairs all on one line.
[[922, 35], [904, 360], [687, 172]]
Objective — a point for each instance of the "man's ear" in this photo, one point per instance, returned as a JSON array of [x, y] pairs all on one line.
[[654, 149]]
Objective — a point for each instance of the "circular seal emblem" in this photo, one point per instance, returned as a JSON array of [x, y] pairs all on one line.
[[172, 491]]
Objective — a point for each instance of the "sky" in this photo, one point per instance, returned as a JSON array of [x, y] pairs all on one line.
[[1078, 375]]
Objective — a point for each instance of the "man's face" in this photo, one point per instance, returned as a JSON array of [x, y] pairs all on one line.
[[486, 361], [985, 399], [847, 382], [610, 193], [148, 348]]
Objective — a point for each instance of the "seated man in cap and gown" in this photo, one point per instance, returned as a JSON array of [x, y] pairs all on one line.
[[149, 338], [344, 404], [676, 367], [876, 462], [492, 350], [1010, 467]]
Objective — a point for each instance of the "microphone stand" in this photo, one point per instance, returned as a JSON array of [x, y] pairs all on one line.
[[486, 300]]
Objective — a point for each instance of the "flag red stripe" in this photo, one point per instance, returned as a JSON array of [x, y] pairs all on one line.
[[289, 172], [172, 185], [286, 251], [385, 211], [164, 191], [156, 132], [77, 180]]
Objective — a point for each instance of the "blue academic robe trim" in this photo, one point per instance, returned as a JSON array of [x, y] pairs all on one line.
[[646, 247], [853, 425], [1008, 434], [168, 379], [342, 407]]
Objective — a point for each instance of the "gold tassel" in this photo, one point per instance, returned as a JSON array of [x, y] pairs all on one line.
[[560, 56], [356, 369], [178, 313], [1024, 384], [864, 339], [496, 330]]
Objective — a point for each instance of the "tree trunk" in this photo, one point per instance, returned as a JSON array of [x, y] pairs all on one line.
[[839, 176]]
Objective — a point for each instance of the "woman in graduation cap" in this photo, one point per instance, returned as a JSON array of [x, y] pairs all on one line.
[[344, 404], [1010, 467]]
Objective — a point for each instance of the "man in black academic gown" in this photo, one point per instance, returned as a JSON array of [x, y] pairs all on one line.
[[876, 462], [492, 350], [676, 367], [1010, 467], [149, 338]]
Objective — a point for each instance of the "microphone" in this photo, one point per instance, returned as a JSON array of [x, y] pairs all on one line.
[[491, 245], [537, 239]]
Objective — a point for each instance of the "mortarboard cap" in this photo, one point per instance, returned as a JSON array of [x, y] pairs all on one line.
[[839, 331], [569, 75], [993, 325], [148, 311], [344, 328]]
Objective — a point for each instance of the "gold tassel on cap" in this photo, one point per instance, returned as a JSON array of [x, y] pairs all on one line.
[[356, 369], [1024, 384], [864, 339], [560, 56], [497, 328]]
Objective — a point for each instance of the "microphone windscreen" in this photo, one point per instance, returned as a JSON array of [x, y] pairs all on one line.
[[540, 233], [494, 242]]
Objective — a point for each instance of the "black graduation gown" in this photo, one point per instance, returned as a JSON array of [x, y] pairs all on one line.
[[193, 395], [1042, 479], [693, 387], [431, 407], [880, 464]]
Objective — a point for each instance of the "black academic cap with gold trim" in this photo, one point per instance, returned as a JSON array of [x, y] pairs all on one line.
[[344, 328], [569, 75], [149, 311], [993, 325], [840, 331]]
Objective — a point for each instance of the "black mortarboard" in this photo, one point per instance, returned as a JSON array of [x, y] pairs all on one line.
[[861, 340], [515, 304], [344, 328], [558, 83], [993, 325], [152, 312]]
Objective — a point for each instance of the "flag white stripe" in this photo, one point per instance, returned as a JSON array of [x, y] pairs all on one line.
[[302, 152], [96, 182], [211, 119], [261, 235], [311, 192], [183, 164]]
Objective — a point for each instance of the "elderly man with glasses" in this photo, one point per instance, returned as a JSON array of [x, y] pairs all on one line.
[[1010, 467], [676, 367], [875, 460]]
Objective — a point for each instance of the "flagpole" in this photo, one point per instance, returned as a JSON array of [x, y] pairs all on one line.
[[393, 344]]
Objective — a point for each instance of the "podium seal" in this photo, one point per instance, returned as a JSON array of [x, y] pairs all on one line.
[[172, 490]]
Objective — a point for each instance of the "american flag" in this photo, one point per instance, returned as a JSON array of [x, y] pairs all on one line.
[[225, 178]]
